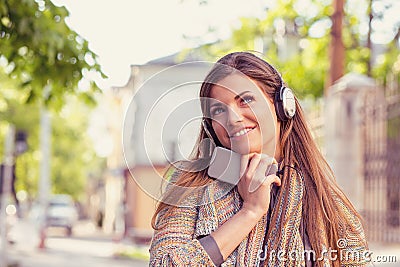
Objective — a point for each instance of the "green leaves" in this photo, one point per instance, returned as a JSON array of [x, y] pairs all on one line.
[[41, 63], [44, 51]]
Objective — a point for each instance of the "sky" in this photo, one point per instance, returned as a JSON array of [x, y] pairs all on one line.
[[126, 32]]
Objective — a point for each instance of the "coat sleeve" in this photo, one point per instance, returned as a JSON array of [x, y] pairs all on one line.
[[174, 244]]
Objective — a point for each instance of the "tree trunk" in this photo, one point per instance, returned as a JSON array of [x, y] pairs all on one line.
[[336, 48], [369, 42]]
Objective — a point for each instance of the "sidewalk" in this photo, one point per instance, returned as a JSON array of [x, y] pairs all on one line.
[[88, 246]]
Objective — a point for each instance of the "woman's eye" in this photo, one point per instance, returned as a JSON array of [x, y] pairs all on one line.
[[247, 99], [217, 111]]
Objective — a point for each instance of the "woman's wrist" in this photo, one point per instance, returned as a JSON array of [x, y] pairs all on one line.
[[252, 213], [229, 235]]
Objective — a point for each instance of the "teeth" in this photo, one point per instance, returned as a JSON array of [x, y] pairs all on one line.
[[242, 132]]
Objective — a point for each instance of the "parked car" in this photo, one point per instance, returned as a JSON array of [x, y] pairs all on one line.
[[61, 212]]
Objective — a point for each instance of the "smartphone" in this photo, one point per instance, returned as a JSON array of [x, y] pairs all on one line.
[[225, 166]]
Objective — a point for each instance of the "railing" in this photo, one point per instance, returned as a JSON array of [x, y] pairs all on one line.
[[380, 168]]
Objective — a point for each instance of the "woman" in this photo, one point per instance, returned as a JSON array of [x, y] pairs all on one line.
[[304, 220]]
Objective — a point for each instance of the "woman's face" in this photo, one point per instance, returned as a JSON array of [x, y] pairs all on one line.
[[243, 117]]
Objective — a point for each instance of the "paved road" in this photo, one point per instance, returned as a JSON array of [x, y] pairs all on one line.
[[87, 247]]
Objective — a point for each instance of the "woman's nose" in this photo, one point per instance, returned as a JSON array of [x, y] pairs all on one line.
[[234, 116]]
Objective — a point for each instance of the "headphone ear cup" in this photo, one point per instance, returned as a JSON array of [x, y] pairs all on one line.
[[285, 104], [279, 110], [289, 103]]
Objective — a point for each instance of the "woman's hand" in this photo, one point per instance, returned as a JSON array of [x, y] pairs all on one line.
[[254, 187]]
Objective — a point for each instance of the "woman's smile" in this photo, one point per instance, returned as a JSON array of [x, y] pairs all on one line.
[[241, 132]]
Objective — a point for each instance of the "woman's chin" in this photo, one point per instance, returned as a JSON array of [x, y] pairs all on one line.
[[245, 150], [246, 144]]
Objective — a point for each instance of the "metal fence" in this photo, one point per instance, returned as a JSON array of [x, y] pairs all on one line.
[[381, 163], [380, 150]]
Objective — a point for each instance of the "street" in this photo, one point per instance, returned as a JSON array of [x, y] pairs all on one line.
[[87, 247]]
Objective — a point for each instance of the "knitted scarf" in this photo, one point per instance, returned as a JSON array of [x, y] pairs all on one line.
[[287, 249]]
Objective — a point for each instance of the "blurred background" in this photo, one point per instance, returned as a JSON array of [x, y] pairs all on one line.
[[70, 69]]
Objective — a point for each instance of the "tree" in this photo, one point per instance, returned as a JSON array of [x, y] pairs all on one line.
[[336, 47], [41, 63], [40, 52]]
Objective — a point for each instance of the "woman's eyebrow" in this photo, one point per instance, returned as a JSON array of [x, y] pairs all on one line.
[[242, 93], [216, 104]]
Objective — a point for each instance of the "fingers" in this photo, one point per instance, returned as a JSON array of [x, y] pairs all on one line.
[[268, 181], [259, 177], [248, 166], [254, 168], [253, 164], [274, 180], [264, 165]]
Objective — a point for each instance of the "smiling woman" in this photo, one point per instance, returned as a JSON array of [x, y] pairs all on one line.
[[297, 217]]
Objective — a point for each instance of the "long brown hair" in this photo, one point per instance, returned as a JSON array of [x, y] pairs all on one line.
[[297, 147]]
